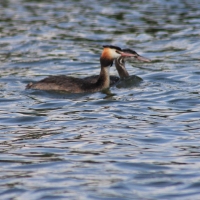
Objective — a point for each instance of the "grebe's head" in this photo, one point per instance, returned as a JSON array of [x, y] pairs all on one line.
[[111, 52], [136, 55]]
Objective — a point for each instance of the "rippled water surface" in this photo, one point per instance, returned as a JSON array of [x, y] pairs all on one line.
[[136, 141]]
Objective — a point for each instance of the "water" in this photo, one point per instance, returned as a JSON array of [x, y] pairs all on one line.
[[138, 141]]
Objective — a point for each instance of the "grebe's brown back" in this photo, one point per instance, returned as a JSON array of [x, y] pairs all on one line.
[[77, 85], [120, 66]]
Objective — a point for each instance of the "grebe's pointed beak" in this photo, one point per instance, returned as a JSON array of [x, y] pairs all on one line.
[[141, 58]]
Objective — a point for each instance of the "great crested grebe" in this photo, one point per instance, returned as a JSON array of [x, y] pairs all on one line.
[[77, 85], [120, 66]]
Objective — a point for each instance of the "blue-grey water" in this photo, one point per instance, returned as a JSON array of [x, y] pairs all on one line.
[[136, 141]]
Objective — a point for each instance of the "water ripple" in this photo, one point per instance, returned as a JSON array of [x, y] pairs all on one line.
[[138, 140]]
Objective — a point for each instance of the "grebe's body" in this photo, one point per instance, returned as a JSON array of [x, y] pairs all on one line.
[[94, 78], [77, 85]]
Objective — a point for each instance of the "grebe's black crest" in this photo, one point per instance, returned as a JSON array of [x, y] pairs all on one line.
[[129, 51], [135, 55], [112, 47]]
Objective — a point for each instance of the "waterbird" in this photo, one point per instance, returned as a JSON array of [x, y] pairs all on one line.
[[120, 66], [78, 85]]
